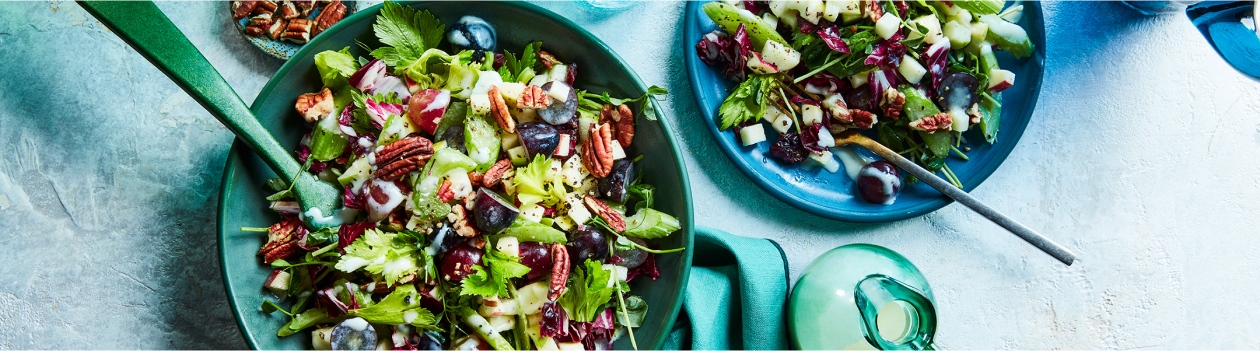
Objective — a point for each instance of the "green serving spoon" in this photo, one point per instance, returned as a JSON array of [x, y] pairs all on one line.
[[143, 26]]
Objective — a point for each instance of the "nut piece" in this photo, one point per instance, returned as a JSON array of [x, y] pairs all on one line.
[[892, 103], [314, 106], [597, 151], [265, 7], [401, 157], [873, 10], [298, 31], [277, 28], [444, 192], [622, 122], [304, 7], [495, 174], [533, 97], [930, 124], [282, 240], [241, 9], [288, 10], [499, 109], [460, 222], [548, 60], [863, 119], [330, 15], [258, 25], [614, 218], [559, 271]]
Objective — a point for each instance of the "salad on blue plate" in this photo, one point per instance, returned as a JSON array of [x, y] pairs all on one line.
[[921, 77], [488, 201]]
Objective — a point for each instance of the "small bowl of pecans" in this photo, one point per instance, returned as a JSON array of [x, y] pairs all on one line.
[[280, 28]]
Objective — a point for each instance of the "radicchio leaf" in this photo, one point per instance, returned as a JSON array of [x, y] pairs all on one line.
[[391, 84], [880, 80], [366, 78], [646, 269], [887, 53], [937, 59], [831, 36], [379, 112], [351, 232], [809, 138], [555, 321], [824, 83]]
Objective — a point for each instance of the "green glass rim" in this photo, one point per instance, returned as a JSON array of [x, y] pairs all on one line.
[[688, 227]]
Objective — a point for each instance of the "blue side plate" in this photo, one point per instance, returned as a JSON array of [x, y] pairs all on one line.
[[833, 195], [278, 48]]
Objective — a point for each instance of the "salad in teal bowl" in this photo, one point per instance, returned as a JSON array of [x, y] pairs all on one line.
[[500, 192], [949, 85]]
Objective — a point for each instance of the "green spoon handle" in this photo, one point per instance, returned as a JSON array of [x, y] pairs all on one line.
[[142, 25]]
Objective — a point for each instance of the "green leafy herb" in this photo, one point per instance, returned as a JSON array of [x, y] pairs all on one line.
[[269, 306], [990, 115], [637, 309], [491, 278], [531, 184], [335, 67], [306, 319], [407, 32], [402, 306], [648, 223], [520, 69], [588, 291], [747, 102], [527, 230], [646, 193], [377, 253]]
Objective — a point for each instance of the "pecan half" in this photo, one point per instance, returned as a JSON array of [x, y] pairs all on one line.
[[533, 97], [277, 28], [461, 223], [304, 7], [622, 120], [863, 119], [476, 179], [330, 15], [282, 240], [548, 60], [314, 106], [241, 9], [495, 174], [892, 103], [499, 109], [298, 31], [402, 156], [930, 124], [265, 7], [873, 10], [258, 25], [559, 270], [597, 151], [288, 10], [601, 209], [444, 193]]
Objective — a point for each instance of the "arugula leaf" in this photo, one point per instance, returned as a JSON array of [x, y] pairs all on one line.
[[637, 309], [402, 306], [376, 253], [746, 103], [491, 278], [651, 224], [646, 194], [408, 33], [990, 115], [589, 290], [306, 319], [269, 306], [527, 230], [335, 67]]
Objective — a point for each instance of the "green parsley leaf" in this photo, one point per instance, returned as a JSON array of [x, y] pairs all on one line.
[[531, 184], [306, 319], [335, 67], [491, 278], [376, 253], [589, 290], [408, 32], [402, 306], [746, 103]]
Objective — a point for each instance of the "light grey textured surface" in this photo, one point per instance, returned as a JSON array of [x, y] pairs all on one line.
[[1141, 158]]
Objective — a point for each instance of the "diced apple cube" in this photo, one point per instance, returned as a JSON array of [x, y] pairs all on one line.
[[962, 16], [619, 273], [540, 79], [533, 212], [847, 18], [564, 223], [509, 245], [858, 79], [321, 339], [510, 140], [782, 124], [563, 148], [547, 344], [573, 173], [825, 139], [959, 34], [571, 346], [979, 30], [479, 104], [752, 134], [911, 69], [781, 56], [811, 115], [811, 10], [825, 160], [1000, 79], [931, 24], [553, 170], [577, 210], [559, 91], [517, 155], [617, 152], [558, 73], [759, 66], [511, 91], [524, 115], [887, 25], [771, 21], [278, 282], [502, 323], [460, 184], [959, 121], [530, 298], [494, 306]]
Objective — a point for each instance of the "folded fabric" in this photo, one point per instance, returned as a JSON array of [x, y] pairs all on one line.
[[736, 297]]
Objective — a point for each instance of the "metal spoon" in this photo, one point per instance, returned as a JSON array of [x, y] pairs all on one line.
[[1031, 236], [143, 26]]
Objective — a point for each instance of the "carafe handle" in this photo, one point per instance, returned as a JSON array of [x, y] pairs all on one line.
[[877, 290]]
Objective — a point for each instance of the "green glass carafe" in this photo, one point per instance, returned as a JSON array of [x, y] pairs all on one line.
[[862, 296]]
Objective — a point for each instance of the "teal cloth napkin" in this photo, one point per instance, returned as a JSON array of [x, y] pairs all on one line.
[[736, 297]]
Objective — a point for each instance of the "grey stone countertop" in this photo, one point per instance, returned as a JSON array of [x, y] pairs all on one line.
[[1141, 157]]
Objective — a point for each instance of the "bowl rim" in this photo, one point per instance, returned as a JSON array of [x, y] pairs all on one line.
[[371, 12], [692, 63]]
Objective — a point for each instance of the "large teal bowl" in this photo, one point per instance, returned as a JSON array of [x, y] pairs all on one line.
[[242, 203]]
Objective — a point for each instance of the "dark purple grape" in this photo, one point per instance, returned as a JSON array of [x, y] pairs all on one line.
[[957, 91], [789, 148], [472, 33], [459, 262], [538, 138], [428, 340], [454, 138], [492, 213], [859, 98], [559, 112], [879, 182], [631, 256], [613, 187], [446, 238], [535, 256], [354, 334], [587, 243]]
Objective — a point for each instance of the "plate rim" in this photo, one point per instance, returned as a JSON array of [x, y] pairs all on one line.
[[737, 157], [230, 172]]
